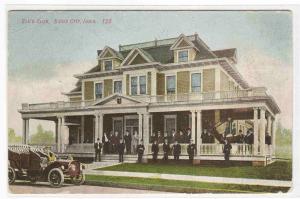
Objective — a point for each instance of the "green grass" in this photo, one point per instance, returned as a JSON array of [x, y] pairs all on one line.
[[178, 186], [280, 170]]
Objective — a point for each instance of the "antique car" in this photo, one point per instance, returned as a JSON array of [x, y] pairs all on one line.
[[40, 164]]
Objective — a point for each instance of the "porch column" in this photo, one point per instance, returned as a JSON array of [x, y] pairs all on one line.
[[274, 135], [58, 134], [199, 130], [25, 131], [193, 125], [269, 132], [255, 131], [96, 133], [141, 127], [82, 129], [100, 126], [63, 134], [146, 132], [262, 130]]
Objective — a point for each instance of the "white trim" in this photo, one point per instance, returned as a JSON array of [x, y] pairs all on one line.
[[201, 79], [168, 75], [180, 38], [138, 51], [170, 116], [117, 80], [138, 83], [94, 91], [188, 55]]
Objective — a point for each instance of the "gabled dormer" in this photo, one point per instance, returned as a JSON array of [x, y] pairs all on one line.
[[137, 56], [109, 59], [184, 50]]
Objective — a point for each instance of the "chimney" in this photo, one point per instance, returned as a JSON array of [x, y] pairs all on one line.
[[196, 35]]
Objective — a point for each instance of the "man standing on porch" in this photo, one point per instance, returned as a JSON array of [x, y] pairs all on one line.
[[140, 151], [120, 149], [98, 147], [127, 139], [154, 150], [191, 149], [166, 149], [226, 151]]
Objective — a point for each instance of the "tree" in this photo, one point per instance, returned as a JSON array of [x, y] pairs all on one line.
[[42, 136], [283, 142], [13, 138]]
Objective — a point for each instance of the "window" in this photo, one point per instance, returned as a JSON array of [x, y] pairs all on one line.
[[183, 56], [142, 85], [171, 84], [98, 90], [108, 65], [134, 85], [118, 87], [196, 82]]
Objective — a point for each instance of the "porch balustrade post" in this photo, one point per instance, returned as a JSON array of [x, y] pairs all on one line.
[[59, 134], [255, 133], [262, 130], [199, 131], [100, 135], [25, 131], [274, 135], [82, 129], [141, 128], [146, 132]]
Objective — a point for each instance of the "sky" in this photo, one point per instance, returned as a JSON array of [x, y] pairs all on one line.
[[43, 57]]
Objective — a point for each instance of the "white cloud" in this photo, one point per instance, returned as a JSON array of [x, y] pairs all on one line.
[[39, 91], [260, 69]]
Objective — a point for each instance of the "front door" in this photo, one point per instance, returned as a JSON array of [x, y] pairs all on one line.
[[118, 125], [170, 124]]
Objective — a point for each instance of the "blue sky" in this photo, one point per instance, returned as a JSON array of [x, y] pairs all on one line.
[[38, 51]]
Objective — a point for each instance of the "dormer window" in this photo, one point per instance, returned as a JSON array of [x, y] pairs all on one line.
[[108, 65], [183, 56]]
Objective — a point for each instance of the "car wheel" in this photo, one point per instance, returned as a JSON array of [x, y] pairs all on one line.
[[78, 180], [56, 177], [11, 175]]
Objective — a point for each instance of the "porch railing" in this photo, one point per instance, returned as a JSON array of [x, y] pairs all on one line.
[[204, 97], [217, 149]]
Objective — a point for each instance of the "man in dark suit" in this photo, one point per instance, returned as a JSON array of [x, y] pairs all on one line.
[[120, 149], [176, 150], [249, 138], [98, 147], [127, 138], [268, 139], [210, 138], [154, 150], [166, 149], [226, 150], [140, 151], [188, 135], [105, 141], [191, 149]]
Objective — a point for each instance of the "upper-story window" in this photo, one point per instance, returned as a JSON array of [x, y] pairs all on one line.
[[134, 85], [142, 82], [117, 86], [98, 90], [196, 82], [108, 65], [171, 84], [183, 56]]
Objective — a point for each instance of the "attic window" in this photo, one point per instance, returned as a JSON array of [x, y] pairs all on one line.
[[108, 65], [183, 56]]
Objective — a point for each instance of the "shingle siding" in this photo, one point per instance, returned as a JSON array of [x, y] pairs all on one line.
[[89, 90], [183, 82], [208, 80], [107, 87], [160, 84], [224, 82]]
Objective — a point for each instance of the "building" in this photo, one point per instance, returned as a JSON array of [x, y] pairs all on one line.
[[161, 85]]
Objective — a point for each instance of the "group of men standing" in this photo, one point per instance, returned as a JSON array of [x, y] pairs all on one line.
[[175, 149], [179, 136]]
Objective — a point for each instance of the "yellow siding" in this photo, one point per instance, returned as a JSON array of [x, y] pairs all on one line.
[[107, 87], [89, 90], [127, 84], [74, 99], [192, 54], [208, 80], [160, 84], [149, 83], [183, 82], [224, 82], [116, 63]]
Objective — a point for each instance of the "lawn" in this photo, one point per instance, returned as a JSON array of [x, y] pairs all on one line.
[[178, 186], [280, 170]]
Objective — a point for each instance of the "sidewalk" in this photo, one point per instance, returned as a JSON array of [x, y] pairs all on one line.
[[241, 181]]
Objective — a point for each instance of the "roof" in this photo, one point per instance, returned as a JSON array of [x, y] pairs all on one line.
[[230, 53]]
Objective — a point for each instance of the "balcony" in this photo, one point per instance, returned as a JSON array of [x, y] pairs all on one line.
[[203, 97]]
